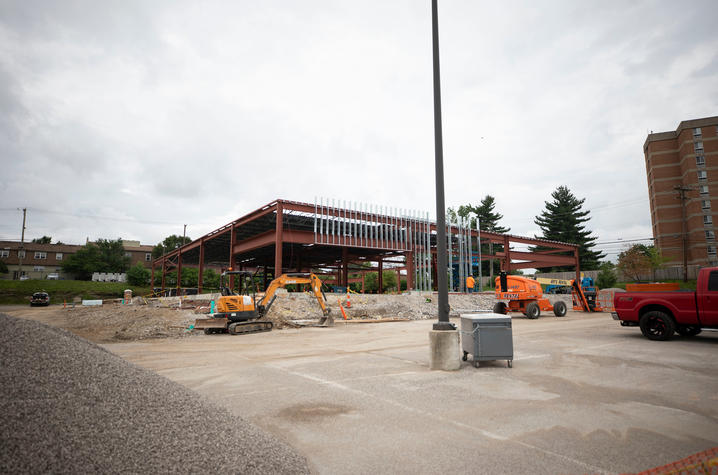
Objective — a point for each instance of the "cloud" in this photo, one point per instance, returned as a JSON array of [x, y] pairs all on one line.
[[167, 113]]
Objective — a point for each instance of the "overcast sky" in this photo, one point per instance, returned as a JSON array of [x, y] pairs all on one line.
[[131, 118]]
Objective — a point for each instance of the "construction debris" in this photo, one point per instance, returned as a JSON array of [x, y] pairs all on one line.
[[173, 318]]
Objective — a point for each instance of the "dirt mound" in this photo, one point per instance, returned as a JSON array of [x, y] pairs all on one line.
[[115, 322]]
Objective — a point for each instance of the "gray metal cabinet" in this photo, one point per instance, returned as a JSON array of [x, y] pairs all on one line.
[[487, 337]]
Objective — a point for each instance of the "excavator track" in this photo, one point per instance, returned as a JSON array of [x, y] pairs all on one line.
[[240, 328]]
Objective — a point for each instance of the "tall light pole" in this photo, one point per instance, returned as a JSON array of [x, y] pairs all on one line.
[[21, 252], [443, 323]]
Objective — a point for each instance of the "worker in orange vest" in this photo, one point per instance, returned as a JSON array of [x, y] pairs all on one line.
[[470, 283]]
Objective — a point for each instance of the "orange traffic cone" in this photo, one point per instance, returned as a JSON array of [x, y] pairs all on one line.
[[349, 302], [342, 309]]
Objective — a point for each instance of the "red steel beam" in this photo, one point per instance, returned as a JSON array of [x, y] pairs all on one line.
[[278, 241]]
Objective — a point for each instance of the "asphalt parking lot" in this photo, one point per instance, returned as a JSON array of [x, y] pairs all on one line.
[[585, 395]]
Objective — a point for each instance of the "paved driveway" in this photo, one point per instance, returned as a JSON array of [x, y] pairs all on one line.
[[584, 396]]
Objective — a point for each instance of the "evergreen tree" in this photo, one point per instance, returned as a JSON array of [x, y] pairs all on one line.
[[564, 220], [488, 221]]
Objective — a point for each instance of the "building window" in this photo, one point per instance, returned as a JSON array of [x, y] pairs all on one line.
[[708, 219], [702, 175], [697, 132], [38, 268], [58, 256], [704, 189], [40, 255], [148, 256], [128, 254], [698, 146], [4, 253], [711, 250], [710, 234], [700, 160], [21, 254], [706, 204]]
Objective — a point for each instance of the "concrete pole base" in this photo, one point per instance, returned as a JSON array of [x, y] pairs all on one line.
[[444, 350]]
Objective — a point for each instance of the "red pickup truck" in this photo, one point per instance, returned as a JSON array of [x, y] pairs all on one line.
[[660, 314]]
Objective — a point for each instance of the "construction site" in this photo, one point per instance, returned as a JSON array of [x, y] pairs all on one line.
[[343, 242], [292, 371]]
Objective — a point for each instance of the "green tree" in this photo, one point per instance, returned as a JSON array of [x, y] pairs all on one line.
[[640, 259], [633, 262], [169, 244], [101, 256], [488, 221], [606, 276], [43, 240], [654, 257], [371, 281], [564, 220], [138, 275], [3, 268], [210, 279]]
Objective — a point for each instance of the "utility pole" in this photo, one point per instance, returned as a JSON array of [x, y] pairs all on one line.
[[681, 189], [184, 233], [22, 244]]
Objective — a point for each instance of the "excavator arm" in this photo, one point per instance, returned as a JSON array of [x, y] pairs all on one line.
[[287, 279]]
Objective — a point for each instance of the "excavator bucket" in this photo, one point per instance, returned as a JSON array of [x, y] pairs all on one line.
[[327, 320]]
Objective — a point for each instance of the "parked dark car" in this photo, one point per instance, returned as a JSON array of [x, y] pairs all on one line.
[[40, 298]]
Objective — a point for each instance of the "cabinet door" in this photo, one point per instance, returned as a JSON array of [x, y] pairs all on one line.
[[708, 301], [496, 342]]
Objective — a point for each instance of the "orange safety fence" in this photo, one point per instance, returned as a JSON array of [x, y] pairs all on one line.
[[604, 299]]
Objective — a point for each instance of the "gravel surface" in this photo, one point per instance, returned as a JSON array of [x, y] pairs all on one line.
[[69, 406]]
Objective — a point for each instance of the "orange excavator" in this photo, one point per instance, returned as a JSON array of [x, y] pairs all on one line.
[[242, 313]]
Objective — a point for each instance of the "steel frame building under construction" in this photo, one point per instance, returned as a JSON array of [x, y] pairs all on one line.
[[340, 240]]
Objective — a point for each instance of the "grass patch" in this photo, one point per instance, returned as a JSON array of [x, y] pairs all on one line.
[[19, 292]]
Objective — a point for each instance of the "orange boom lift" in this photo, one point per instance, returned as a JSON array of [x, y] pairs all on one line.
[[524, 295]]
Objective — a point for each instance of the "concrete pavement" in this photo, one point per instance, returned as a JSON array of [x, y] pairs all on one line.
[[584, 396]]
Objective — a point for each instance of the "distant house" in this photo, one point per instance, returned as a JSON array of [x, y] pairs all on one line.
[[40, 260], [138, 253]]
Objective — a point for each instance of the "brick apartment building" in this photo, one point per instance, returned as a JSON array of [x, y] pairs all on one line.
[[682, 172], [41, 260]]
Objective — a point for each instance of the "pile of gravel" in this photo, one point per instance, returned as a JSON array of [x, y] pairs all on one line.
[[67, 405]]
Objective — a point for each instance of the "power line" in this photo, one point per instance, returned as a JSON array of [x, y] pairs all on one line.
[[91, 216]]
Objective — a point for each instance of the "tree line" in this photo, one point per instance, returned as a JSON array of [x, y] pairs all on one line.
[[564, 219]]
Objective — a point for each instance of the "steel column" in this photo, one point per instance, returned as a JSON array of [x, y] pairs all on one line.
[[380, 277], [179, 270], [279, 228], [200, 276]]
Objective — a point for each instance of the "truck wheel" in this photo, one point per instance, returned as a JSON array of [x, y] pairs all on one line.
[[657, 326], [688, 330], [533, 311], [500, 307], [559, 309]]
